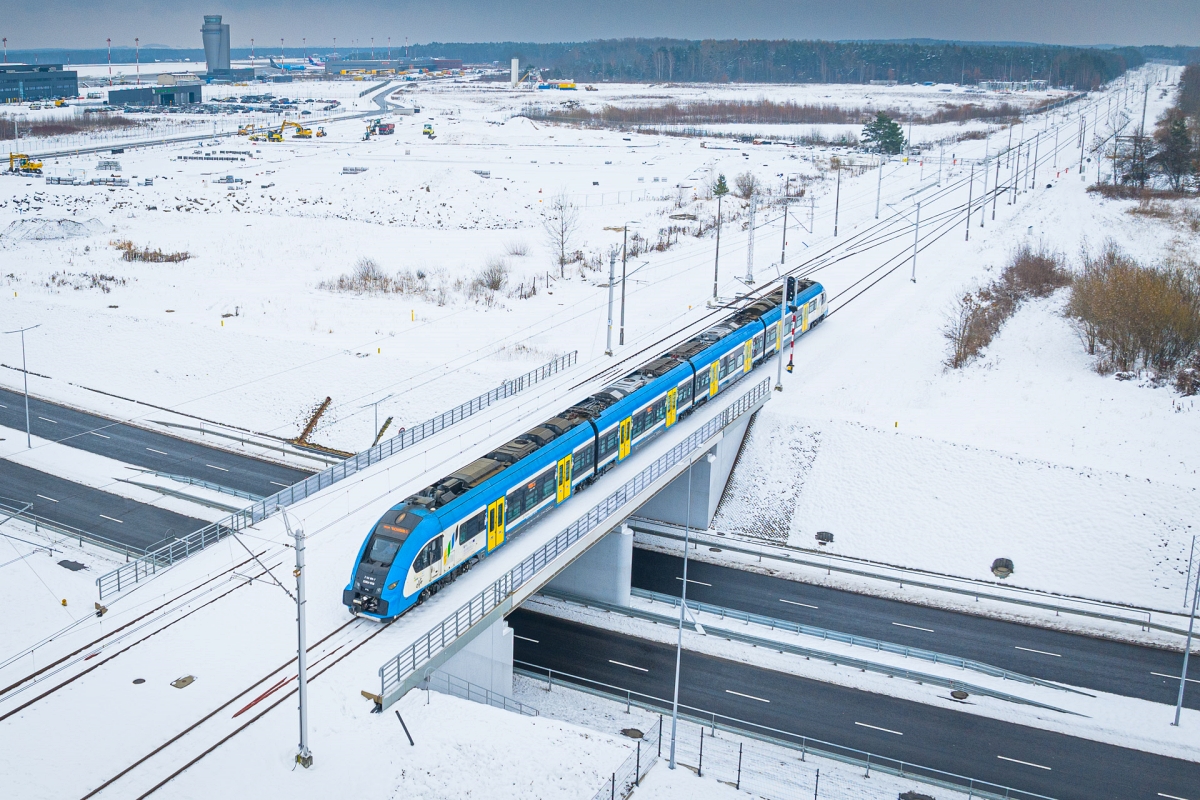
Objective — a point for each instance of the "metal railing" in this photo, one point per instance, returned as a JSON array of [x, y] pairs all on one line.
[[877, 645], [405, 663], [66, 530], [216, 487], [449, 684], [793, 741], [660, 530], [148, 565]]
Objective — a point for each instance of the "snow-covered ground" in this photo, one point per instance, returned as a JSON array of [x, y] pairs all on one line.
[[1088, 484]]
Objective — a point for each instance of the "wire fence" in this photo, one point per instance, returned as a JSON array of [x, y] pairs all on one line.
[[647, 751], [149, 564], [398, 669]]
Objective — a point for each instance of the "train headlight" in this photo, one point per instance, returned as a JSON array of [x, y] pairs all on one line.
[[393, 585]]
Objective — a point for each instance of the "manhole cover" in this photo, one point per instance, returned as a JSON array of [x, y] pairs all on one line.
[[959, 694], [139, 680], [74, 566], [183, 682], [715, 549], [632, 733]]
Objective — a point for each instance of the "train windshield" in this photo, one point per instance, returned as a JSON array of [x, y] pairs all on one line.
[[390, 534], [383, 550]]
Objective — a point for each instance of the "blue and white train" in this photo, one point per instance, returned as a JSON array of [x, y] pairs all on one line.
[[428, 539]]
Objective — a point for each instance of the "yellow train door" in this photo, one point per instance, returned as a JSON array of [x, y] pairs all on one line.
[[714, 382], [563, 476], [495, 524], [672, 404], [804, 318], [747, 355], [779, 335], [623, 442]]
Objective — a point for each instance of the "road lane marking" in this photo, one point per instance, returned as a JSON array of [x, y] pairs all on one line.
[[876, 728], [48, 420], [3, 406], [701, 583], [277, 483], [152, 450], [1159, 674], [1172, 796], [1043, 652], [52, 500], [114, 519], [914, 627], [631, 666], [794, 603], [1026, 763], [216, 467], [526, 638], [101, 435], [747, 696]]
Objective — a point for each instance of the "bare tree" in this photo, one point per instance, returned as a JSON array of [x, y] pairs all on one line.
[[747, 185], [561, 220]]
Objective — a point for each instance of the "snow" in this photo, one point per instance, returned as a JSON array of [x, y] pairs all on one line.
[[1087, 483]]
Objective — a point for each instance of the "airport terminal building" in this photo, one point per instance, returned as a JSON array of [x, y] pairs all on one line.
[[20, 82]]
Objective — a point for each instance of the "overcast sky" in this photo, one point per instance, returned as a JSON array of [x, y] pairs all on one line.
[[79, 24]]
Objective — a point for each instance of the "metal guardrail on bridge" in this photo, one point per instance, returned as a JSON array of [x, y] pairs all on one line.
[[405, 664], [148, 565]]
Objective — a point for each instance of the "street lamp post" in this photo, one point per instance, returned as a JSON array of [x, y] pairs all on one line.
[[375, 405], [687, 517], [25, 373], [612, 278]]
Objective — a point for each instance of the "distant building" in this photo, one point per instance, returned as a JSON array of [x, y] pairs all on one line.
[[37, 82], [178, 92], [1015, 86]]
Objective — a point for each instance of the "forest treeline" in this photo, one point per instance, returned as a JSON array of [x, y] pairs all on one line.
[[762, 61]]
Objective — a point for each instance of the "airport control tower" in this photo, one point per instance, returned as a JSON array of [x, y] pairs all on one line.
[[216, 43]]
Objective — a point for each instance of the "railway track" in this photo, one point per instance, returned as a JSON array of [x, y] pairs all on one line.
[[154, 770], [74, 665]]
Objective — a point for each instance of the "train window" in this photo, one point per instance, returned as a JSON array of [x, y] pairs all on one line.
[[822, 298], [421, 562], [549, 487], [608, 443], [514, 504], [660, 410], [471, 528], [382, 550], [772, 330], [640, 423], [685, 394], [757, 347], [582, 460]]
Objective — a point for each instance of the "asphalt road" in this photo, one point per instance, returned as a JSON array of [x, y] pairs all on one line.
[[1082, 661], [1025, 758], [115, 518], [145, 448]]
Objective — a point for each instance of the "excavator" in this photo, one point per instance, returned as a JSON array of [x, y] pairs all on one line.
[[23, 165], [301, 131]]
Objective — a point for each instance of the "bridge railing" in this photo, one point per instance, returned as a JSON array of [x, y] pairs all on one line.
[[149, 564], [409, 660]]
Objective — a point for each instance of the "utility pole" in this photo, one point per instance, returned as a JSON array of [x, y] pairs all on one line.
[[941, 158], [983, 206], [970, 200], [25, 372], [612, 278], [304, 756], [750, 242], [783, 248], [1016, 172], [624, 261], [837, 200], [251, 52], [717, 258], [879, 184], [109, 61], [916, 238], [137, 59], [1037, 148], [5, 49]]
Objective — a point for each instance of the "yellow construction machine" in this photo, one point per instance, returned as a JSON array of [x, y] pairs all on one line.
[[301, 131], [23, 164]]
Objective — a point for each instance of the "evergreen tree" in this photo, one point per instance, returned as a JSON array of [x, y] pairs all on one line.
[[1175, 155], [883, 135], [720, 188]]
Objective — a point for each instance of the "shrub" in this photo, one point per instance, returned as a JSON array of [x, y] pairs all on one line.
[[1135, 317], [494, 276], [516, 248], [131, 252]]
